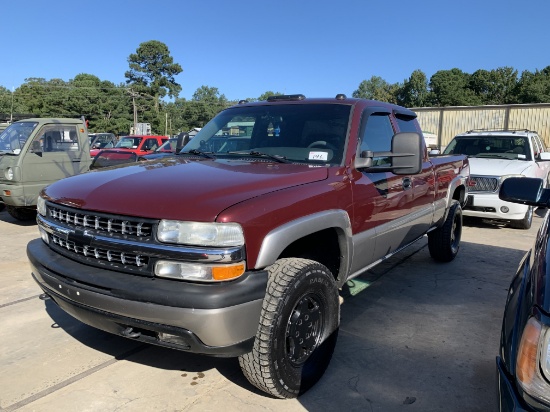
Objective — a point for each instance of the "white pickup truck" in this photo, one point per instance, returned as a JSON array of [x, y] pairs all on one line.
[[495, 155]]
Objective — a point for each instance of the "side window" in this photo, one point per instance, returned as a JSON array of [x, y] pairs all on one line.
[[150, 144], [406, 123], [56, 138], [377, 136]]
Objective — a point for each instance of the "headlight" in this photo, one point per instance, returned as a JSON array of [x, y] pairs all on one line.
[[41, 206], [200, 234], [198, 271], [9, 173], [533, 360]]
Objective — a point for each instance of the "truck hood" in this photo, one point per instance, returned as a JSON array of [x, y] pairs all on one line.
[[179, 189], [497, 167]]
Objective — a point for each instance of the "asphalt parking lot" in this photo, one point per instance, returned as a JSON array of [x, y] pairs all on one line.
[[415, 336]]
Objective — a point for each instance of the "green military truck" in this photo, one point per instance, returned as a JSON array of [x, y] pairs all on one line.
[[36, 152]]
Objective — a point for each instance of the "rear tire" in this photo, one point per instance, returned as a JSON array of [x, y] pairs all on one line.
[[22, 213], [444, 242], [524, 223], [298, 329]]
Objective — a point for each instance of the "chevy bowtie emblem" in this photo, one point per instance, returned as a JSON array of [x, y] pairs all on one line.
[[82, 237]]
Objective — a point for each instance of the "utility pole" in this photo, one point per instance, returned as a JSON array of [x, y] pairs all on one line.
[[134, 94], [11, 110], [135, 113]]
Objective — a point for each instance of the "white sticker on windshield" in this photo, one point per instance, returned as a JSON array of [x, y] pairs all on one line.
[[318, 156]]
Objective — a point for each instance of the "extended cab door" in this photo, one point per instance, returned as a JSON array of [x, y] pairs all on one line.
[[54, 153], [385, 204], [423, 183]]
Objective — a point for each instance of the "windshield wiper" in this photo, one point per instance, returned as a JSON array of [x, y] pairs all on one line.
[[277, 158], [199, 153], [497, 156]]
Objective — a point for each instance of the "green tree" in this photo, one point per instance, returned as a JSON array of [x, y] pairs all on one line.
[[451, 88], [44, 98], [6, 98], [151, 76], [204, 105], [106, 106], [495, 86], [414, 92], [534, 87], [376, 88]]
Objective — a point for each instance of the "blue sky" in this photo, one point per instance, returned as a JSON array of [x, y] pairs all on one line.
[[245, 48]]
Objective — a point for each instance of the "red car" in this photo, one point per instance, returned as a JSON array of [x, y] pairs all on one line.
[[138, 144]]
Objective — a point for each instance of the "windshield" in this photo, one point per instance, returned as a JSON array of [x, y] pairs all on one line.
[[129, 142], [102, 141], [13, 138], [312, 134], [505, 147]]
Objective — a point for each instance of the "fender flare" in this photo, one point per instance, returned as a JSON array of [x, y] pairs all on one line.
[[276, 241]]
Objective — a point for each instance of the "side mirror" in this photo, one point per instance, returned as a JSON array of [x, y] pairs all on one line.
[[435, 152], [524, 190], [183, 139], [406, 156], [408, 152], [544, 156]]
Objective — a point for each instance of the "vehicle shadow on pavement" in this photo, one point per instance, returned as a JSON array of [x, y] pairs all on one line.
[[157, 357], [415, 334], [6, 217], [420, 335]]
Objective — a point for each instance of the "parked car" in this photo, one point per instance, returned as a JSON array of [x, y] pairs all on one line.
[[494, 156], [100, 141], [523, 364], [140, 144], [168, 148]]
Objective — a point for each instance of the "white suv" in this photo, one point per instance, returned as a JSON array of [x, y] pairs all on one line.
[[495, 155]]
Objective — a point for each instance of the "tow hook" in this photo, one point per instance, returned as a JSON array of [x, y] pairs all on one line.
[[44, 296], [129, 333]]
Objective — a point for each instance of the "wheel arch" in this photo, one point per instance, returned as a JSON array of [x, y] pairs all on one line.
[[300, 237], [457, 190]]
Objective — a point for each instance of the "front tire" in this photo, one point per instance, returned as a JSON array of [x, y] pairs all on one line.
[[524, 223], [298, 329], [444, 242]]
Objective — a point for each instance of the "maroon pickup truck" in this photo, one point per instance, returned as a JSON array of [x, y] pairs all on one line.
[[239, 244]]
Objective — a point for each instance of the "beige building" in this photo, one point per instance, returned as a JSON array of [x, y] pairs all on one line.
[[447, 122]]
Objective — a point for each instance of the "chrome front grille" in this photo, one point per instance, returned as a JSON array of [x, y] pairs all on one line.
[[102, 255], [109, 224], [483, 184]]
